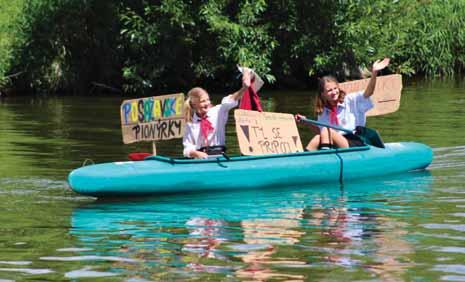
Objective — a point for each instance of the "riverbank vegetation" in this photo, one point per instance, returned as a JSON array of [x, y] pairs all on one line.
[[146, 47]]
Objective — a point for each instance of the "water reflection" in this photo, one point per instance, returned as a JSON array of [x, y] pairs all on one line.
[[355, 235], [262, 239], [256, 235], [379, 230]]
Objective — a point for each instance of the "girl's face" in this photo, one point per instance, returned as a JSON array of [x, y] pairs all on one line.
[[202, 104], [331, 93]]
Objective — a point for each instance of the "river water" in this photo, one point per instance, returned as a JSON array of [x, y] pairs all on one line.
[[397, 228]]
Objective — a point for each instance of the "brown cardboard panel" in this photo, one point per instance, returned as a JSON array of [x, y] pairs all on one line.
[[261, 133], [152, 118], [386, 97]]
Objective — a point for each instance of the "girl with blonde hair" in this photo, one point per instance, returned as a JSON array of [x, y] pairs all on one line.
[[205, 124]]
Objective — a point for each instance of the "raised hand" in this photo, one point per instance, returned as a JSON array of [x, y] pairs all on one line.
[[246, 77], [377, 66], [380, 64], [246, 82]]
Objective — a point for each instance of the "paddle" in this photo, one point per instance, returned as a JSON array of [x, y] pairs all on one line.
[[319, 123], [368, 135]]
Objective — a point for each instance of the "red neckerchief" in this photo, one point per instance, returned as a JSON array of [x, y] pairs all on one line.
[[333, 115], [205, 127]]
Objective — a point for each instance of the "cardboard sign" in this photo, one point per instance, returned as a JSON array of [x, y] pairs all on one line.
[[386, 97], [152, 118], [261, 133]]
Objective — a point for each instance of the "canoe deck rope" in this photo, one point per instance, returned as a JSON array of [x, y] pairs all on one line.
[[341, 170]]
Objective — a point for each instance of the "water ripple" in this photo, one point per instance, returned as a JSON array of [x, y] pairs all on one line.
[[453, 278], [457, 250], [74, 249], [448, 157], [86, 273], [16, 262], [27, 270], [83, 258], [443, 236], [456, 227], [450, 268]]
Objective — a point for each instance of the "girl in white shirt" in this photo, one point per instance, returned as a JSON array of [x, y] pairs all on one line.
[[205, 123], [334, 107]]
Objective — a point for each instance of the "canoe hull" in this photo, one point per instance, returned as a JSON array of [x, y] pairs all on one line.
[[163, 175]]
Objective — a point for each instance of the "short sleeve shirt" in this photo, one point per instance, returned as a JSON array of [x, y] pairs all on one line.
[[218, 117], [350, 113]]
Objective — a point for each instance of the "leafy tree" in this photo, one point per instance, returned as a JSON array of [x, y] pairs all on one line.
[[171, 42], [438, 38], [10, 11], [69, 45], [157, 46]]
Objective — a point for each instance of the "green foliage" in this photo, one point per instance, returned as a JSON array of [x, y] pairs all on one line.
[[158, 42], [147, 46], [170, 42], [10, 11], [68, 45], [363, 31], [422, 37], [438, 38], [302, 29], [244, 39]]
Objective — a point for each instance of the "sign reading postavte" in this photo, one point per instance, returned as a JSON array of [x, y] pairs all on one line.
[[152, 118], [261, 133], [386, 98]]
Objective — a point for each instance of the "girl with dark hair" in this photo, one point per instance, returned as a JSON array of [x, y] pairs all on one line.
[[333, 106]]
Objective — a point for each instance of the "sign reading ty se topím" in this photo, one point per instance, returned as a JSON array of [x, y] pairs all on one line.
[[261, 133]]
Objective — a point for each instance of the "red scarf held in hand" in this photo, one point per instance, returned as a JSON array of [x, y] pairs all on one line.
[[333, 115], [205, 127], [250, 100]]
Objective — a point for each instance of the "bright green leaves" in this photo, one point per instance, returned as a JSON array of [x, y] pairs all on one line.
[[147, 46], [241, 38]]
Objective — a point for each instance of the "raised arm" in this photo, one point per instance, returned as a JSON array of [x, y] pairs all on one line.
[[246, 82], [377, 66]]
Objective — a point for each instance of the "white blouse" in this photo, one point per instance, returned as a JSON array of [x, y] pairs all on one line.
[[218, 117], [351, 112]]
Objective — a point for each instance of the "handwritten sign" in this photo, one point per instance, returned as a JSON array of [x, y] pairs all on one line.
[[386, 97], [261, 133], [152, 118]]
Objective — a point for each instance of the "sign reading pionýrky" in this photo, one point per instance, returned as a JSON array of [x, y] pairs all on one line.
[[152, 118]]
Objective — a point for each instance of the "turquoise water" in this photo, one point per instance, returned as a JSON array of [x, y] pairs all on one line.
[[402, 227]]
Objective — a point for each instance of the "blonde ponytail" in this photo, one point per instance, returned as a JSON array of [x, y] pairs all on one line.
[[188, 110]]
